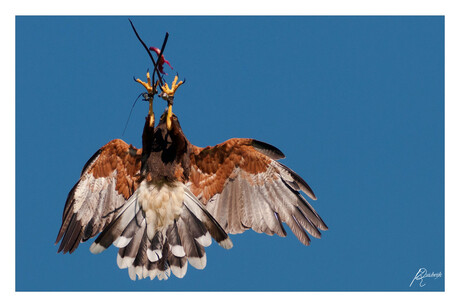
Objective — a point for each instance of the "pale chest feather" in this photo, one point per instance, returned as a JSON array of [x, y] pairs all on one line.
[[162, 204]]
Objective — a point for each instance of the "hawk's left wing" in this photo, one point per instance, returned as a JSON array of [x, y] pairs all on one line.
[[243, 186]]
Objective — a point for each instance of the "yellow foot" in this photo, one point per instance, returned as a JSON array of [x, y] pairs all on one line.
[[151, 90], [148, 85], [168, 95], [169, 92]]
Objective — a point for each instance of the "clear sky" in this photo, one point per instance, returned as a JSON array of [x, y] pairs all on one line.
[[355, 103]]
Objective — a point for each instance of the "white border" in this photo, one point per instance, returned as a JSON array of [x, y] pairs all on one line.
[[235, 7]]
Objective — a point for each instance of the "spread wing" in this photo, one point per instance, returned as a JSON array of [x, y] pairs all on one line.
[[243, 186], [107, 180]]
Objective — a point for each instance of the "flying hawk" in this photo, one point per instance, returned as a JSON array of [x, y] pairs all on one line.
[[162, 204]]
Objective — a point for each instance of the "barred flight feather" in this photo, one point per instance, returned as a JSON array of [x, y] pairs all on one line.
[[161, 227], [250, 189], [107, 180]]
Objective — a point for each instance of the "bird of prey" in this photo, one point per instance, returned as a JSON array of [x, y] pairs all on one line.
[[162, 204]]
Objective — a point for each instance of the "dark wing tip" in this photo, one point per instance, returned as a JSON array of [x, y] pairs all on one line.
[[72, 235], [302, 184], [268, 150]]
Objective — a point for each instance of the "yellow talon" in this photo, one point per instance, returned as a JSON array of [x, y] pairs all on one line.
[[171, 91], [148, 85], [151, 91], [168, 95]]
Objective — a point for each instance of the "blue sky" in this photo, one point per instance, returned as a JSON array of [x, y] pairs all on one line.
[[355, 103]]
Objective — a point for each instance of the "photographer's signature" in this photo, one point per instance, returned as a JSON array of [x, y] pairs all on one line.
[[422, 274]]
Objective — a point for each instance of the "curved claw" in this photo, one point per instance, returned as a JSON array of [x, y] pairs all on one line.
[[177, 75]]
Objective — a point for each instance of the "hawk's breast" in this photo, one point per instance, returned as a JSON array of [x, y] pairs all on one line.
[[161, 202]]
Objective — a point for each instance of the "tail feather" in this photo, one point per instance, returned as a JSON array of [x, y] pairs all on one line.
[[117, 226], [141, 259], [195, 227], [130, 230], [178, 265], [162, 266], [216, 231], [151, 251], [154, 253], [193, 249], [175, 244], [129, 253]]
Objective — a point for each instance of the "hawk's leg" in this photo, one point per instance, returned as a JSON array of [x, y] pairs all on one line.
[[168, 95], [151, 91]]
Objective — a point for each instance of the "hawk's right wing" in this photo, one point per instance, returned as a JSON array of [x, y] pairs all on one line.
[[107, 180]]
